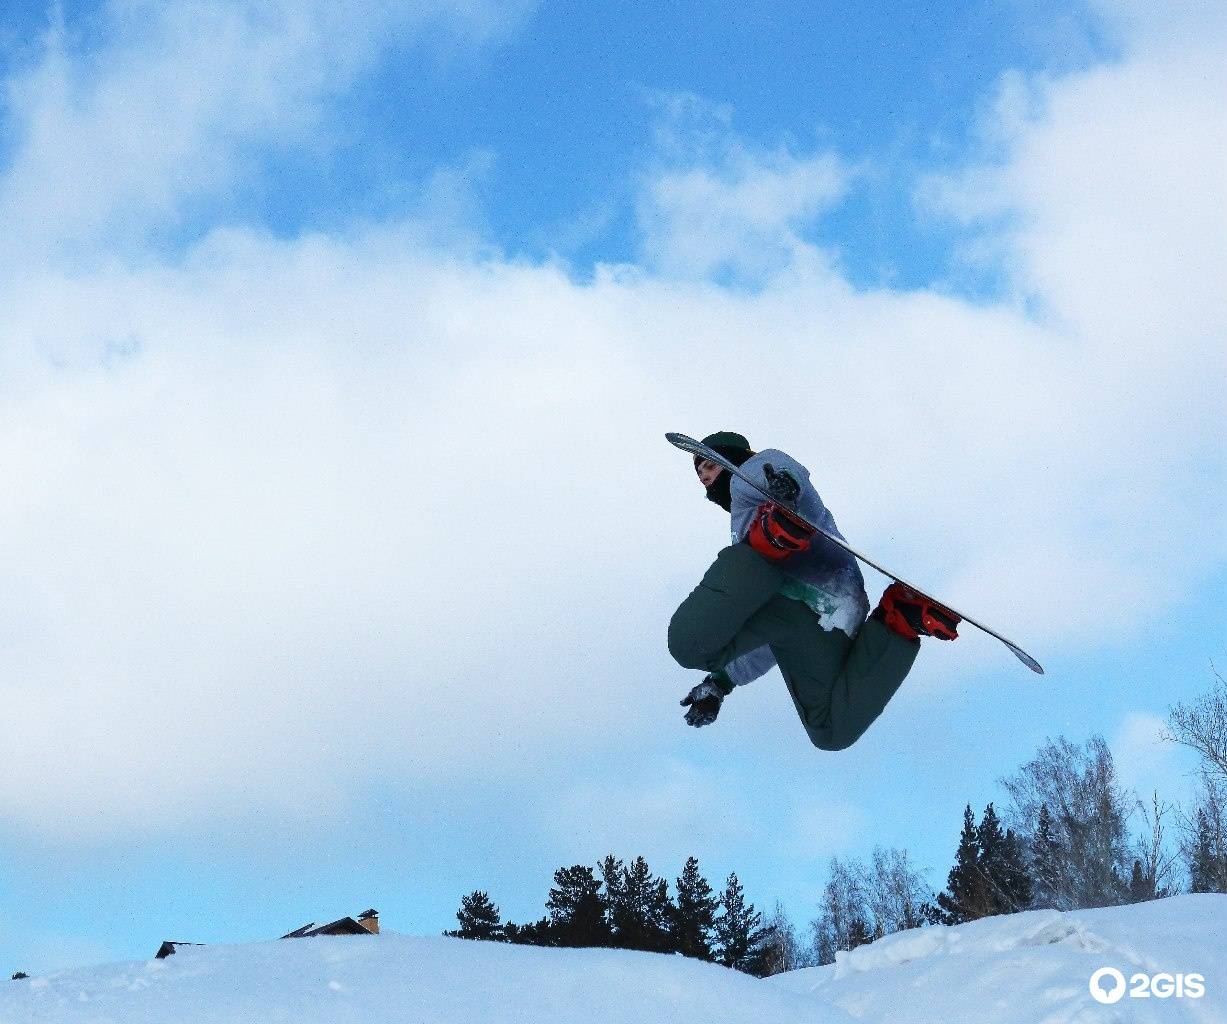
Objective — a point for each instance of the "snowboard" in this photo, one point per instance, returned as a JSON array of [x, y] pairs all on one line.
[[689, 444]]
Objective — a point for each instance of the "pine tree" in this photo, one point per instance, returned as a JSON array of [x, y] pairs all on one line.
[[639, 906], [535, 933], [1002, 868], [1046, 861], [990, 864], [739, 932], [612, 876], [1015, 875], [694, 914], [1141, 885], [577, 909], [1201, 857], [478, 917], [1206, 854], [964, 899]]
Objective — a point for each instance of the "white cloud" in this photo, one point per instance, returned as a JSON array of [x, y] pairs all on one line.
[[1141, 27], [286, 520], [719, 208], [1108, 204], [120, 140]]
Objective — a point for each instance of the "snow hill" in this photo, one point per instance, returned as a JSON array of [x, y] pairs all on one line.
[[1022, 969], [1033, 968]]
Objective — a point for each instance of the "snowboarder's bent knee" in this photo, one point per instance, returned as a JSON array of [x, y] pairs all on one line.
[[830, 743], [685, 642]]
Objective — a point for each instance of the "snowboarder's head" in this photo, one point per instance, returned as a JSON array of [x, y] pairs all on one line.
[[712, 476]]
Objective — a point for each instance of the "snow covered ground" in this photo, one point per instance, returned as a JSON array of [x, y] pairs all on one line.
[[1023, 969], [401, 980], [1034, 968]]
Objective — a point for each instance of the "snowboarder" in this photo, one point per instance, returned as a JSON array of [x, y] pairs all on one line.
[[779, 595]]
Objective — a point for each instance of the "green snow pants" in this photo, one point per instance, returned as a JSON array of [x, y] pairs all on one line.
[[839, 685]]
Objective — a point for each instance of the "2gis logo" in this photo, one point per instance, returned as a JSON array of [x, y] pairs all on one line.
[[1108, 985]]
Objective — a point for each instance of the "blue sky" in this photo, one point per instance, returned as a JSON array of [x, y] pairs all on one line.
[[288, 295], [565, 106]]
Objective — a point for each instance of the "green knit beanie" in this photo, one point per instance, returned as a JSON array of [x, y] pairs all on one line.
[[726, 439]]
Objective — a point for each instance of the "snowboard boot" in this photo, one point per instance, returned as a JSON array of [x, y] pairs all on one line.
[[913, 615]]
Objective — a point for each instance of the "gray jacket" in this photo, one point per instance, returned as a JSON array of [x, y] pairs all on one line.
[[826, 577]]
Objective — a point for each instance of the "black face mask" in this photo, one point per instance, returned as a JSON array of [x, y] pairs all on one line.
[[720, 492]]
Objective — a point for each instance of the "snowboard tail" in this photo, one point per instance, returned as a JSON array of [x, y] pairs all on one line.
[[689, 444]]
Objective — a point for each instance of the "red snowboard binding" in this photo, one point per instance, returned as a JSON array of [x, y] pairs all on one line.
[[776, 537], [913, 615]]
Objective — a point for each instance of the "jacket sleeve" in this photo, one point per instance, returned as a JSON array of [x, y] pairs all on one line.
[[745, 499], [750, 666]]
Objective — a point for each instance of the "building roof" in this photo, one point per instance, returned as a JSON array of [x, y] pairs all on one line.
[[169, 947], [341, 926], [367, 923]]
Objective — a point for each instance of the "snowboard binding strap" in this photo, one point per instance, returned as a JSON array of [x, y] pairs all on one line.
[[774, 536], [913, 615]]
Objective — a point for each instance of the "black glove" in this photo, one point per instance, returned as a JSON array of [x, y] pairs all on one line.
[[782, 485], [704, 701]]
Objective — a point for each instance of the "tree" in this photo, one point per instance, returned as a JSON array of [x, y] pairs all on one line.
[[1002, 867], [639, 906], [860, 934], [843, 916], [862, 902], [1153, 864], [1088, 812], [535, 933], [478, 917], [895, 891], [1141, 887], [612, 872], [694, 914], [1205, 847], [1047, 858], [964, 898], [1014, 874], [780, 949], [1202, 726], [1201, 856], [577, 909], [739, 932]]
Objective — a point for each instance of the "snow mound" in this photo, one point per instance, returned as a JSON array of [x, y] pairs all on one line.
[[389, 977], [1029, 968], [1032, 968], [994, 936]]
